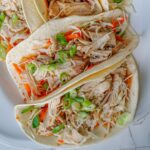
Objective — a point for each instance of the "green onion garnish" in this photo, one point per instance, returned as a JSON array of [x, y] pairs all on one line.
[[123, 118], [62, 56], [73, 50], [58, 128], [15, 19], [31, 67], [61, 39], [28, 109], [82, 115], [2, 18], [36, 121], [118, 1], [2, 51], [76, 106], [64, 77]]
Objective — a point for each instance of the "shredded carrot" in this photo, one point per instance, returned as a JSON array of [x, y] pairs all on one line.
[[9, 47], [129, 82], [27, 31], [43, 113], [60, 141], [97, 125], [116, 23], [72, 36], [22, 66], [105, 124], [28, 89], [18, 70], [58, 120], [68, 33], [17, 42], [49, 134], [119, 38], [48, 44], [90, 67], [17, 117], [28, 58]]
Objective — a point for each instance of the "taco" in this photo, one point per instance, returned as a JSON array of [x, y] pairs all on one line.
[[33, 18], [65, 51], [87, 113], [52, 9], [13, 26]]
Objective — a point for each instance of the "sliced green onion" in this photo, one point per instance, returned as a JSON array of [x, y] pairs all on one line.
[[67, 95], [61, 39], [73, 50], [82, 115], [73, 93], [76, 106], [52, 67], [31, 67], [87, 103], [64, 77], [62, 56], [118, 1], [79, 99], [28, 109], [44, 67], [58, 128], [15, 19], [122, 119], [67, 103], [88, 106], [36, 121], [45, 85], [2, 18], [2, 51]]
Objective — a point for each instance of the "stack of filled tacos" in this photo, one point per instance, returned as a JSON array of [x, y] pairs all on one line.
[[76, 73]]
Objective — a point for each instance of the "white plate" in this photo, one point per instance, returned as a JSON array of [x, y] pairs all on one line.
[[10, 133]]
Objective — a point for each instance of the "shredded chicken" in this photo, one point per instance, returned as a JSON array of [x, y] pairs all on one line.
[[64, 8], [106, 99]]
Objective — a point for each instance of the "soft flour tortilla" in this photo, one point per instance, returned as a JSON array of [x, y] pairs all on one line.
[[51, 141], [32, 17], [42, 8], [50, 29]]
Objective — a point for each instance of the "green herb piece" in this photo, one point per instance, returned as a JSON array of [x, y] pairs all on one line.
[[64, 77], [52, 67], [73, 50], [58, 128], [62, 56], [61, 39], [45, 85], [2, 18], [2, 51], [82, 115], [79, 99], [15, 19], [67, 103], [118, 1], [76, 106], [88, 106], [122, 119], [73, 93], [87, 103], [44, 67], [31, 67], [36, 121], [28, 109]]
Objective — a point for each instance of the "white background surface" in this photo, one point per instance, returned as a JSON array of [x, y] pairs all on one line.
[[135, 137]]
